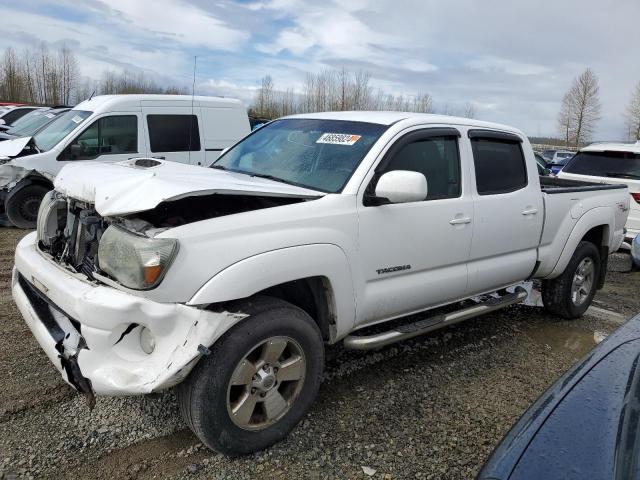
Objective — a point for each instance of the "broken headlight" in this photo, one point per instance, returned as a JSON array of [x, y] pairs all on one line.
[[135, 261]]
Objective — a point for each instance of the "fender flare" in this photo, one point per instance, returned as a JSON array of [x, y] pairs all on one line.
[[259, 272], [596, 217]]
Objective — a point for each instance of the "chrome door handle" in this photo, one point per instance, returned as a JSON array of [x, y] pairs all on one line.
[[460, 221], [530, 211]]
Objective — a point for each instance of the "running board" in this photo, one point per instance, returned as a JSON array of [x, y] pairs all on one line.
[[404, 332]]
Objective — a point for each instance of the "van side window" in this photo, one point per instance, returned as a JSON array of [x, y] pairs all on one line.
[[106, 136], [437, 159], [499, 164], [173, 133]]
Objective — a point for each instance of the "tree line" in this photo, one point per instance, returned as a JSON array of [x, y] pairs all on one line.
[[340, 90], [52, 77], [580, 111]]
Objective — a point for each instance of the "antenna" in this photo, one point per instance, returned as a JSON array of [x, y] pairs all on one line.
[[193, 95], [92, 94]]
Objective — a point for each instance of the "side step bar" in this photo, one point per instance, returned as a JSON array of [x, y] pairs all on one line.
[[404, 332]]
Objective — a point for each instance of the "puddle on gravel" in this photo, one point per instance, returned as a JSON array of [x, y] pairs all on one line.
[[556, 336]]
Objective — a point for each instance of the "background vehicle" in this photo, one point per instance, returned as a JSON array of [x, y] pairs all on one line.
[[617, 163], [9, 116], [559, 160], [113, 128], [32, 122], [316, 228], [585, 425], [542, 164]]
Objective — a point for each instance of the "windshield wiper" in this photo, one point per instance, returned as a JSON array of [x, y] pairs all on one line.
[[218, 167], [267, 176], [623, 175]]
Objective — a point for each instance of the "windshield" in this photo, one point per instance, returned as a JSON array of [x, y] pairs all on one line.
[[50, 136], [605, 164], [30, 123], [317, 154]]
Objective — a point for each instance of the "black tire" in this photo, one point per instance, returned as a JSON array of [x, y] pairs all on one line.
[[557, 294], [22, 205], [203, 397]]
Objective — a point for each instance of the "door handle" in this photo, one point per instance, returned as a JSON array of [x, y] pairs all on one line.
[[160, 157], [460, 221], [530, 211]]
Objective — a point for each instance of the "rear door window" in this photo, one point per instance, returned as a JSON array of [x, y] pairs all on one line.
[[173, 133], [499, 164], [605, 164]]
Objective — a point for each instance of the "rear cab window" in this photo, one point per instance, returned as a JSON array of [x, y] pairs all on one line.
[[499, 162], [605, 164], [173, 133]]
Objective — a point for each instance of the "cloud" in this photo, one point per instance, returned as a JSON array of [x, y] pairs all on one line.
[[173, 21], [514, 60]]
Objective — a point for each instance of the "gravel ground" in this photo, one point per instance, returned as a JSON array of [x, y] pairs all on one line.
[[433, 407]]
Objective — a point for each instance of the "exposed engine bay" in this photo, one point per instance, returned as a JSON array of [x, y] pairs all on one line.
[[70, 230]]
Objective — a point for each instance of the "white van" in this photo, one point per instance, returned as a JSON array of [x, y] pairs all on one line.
[[111, 128]]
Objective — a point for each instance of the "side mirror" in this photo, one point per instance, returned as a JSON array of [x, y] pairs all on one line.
[[402, 186]]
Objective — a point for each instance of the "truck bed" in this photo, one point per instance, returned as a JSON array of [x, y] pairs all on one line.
[[553, 185]]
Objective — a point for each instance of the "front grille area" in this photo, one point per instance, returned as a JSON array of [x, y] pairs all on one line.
[[69, 231]]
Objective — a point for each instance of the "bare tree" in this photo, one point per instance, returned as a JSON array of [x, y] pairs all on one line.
[[565, 120], [632, 115], [470, 110], [12, 85], [581, 108]]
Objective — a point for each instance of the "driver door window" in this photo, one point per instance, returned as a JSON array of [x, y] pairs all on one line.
[[437, 159], [113, 135]]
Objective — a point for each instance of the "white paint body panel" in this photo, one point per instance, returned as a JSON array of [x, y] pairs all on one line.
[[490, 244]]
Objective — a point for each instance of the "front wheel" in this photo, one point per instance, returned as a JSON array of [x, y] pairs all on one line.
[[570, 294], [259, 381], [22, 205]]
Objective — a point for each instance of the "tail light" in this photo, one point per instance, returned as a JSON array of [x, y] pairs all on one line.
[[636, 196]]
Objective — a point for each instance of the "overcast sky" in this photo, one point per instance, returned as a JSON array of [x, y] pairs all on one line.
[[513, 59]]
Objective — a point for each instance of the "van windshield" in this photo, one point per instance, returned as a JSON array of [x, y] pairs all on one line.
[[312, 153], [52, 134]]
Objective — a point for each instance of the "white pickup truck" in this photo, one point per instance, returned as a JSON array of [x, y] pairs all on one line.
[[227, 281]]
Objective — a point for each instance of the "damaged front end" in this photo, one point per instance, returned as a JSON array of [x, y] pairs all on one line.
[[105, 338]]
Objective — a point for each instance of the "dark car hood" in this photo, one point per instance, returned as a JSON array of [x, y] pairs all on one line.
[[585, 425]]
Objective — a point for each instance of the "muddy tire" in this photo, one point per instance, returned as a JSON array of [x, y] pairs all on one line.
[[22, 205], [570, 294], [259, 381]]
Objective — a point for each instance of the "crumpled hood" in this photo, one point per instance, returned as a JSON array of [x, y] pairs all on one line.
[[123, 188], [11, 148]]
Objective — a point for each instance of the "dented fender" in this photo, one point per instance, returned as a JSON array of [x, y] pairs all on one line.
[[11, 174], [110, 323]]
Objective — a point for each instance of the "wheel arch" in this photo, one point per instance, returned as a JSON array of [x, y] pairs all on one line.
[[316, 278], [593, 227]]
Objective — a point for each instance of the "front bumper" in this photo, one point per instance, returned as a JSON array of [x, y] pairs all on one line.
[[98, 328]]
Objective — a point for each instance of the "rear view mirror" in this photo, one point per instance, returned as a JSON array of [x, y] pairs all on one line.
[[402, 186]]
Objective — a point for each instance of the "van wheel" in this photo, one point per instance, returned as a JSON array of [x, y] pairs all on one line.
[[259, 381], [570, 294], [22, 205]]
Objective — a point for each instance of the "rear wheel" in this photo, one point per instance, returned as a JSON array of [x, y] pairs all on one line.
[[570, 294], [22, 205], [258, 382]]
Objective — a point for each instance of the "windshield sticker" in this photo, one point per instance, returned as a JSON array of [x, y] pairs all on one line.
[[338, 139], [76, 119], [49, 115]]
